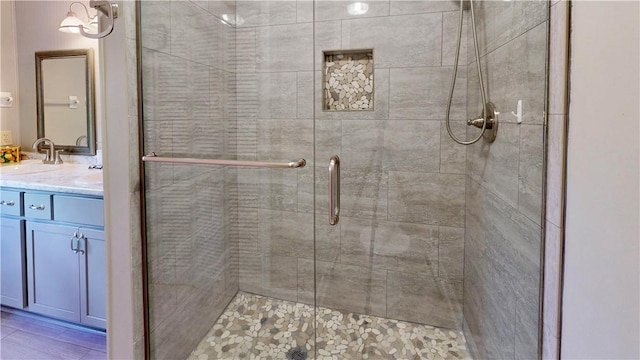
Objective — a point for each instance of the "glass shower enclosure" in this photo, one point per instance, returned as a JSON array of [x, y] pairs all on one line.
[[388, 240]]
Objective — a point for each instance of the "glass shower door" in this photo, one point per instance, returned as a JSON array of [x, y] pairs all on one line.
[[382, 71], [226, 242], [431, 234], [386, 251]]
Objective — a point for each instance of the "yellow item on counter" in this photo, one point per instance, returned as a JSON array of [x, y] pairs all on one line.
[[9, 154]]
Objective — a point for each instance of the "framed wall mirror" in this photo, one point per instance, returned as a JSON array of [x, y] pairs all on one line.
[[65, 99]]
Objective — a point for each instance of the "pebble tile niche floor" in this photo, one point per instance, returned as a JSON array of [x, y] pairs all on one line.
[[348, 81], [258, 327]]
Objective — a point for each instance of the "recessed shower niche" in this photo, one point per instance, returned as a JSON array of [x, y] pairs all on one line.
[[348, 80]]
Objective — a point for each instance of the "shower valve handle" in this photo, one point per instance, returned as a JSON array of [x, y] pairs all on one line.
[[476, 122]]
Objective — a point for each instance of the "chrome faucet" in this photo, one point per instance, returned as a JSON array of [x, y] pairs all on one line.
[[52, 156]]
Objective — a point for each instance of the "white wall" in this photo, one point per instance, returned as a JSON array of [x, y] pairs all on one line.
[[9, 117], [601, 306]]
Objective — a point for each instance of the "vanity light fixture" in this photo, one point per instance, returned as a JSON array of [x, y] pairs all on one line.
[[73, 24]]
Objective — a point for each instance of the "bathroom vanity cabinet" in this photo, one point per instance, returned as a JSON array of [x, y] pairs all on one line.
[[53, 255], [13, 272]]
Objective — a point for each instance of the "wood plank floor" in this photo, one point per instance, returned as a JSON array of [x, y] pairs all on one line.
[[23, 338]]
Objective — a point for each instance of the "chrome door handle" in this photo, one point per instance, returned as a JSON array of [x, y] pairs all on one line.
[[75, 237], [39, 207], [9, 203], [334, 190], [84, 242]]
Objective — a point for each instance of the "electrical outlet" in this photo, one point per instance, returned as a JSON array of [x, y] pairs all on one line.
[[6, 138]]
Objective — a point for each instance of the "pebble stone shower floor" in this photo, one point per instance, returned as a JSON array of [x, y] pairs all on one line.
[[258, 327]]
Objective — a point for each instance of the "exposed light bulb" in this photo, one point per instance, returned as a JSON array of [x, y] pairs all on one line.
[[231, 19], [358, 8]]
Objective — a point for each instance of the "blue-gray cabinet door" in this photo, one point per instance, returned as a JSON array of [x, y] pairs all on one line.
[[53, 271], [13, 274], [93, 279]]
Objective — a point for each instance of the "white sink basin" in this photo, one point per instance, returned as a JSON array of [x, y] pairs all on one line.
[[93, 179], [27, 167]]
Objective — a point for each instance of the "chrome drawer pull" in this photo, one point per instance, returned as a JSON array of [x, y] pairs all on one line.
[[39, 207], [10, 203]]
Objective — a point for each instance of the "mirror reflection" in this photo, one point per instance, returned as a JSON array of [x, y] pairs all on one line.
[[64, 85], [21, 40]]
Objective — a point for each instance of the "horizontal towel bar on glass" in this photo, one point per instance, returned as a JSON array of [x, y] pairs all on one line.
[[152, 157]]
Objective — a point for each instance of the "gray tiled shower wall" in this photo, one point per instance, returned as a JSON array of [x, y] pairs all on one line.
[[189, 110], [398, 249], [505, 182]]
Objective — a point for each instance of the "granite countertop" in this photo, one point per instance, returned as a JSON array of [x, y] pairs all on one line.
[[66, 178]]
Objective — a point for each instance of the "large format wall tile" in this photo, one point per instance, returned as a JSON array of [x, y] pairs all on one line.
[[488, 308], [422, 93], [450, 25], [424, 299], [276, 44], [498, 23], [280, 140], [276, 95], [248, 102], [453, 156], [451, 252], [324, 10], [516, 71], [361, 290], [268, 189], [401, 7], [527, 331], [197, 35], [495, 165], [245, 229], [244, 58], [502, 276], [290, 47], [396, 145], [219, 7], [364, 193], [164, 87], [262, 13], [305, 94], [406, 247], [397, 41], [436, 199], [155, 26], [171, 337], [286, 233], [271, 275]]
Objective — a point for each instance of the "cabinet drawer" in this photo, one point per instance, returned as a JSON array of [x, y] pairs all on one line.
[[78, 210], [10, 202], [37, 206]]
